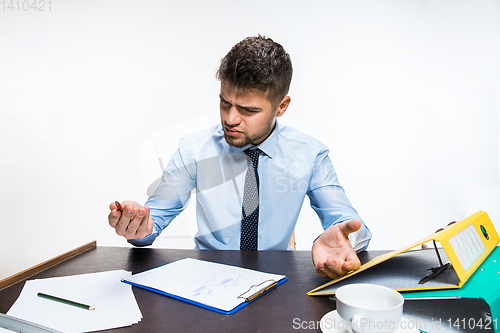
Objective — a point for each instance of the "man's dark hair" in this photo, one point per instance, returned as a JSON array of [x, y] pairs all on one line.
[[258, 63]]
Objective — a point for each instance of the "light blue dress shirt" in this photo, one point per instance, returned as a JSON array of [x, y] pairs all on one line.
[[291, 166]]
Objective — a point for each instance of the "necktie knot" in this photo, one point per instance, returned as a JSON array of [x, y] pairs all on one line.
[[253, 156]]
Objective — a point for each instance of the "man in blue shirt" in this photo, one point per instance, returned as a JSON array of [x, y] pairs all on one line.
[[230, 177]]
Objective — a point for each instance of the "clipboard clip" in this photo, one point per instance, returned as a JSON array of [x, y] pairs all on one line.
[[435, 271], [248, 298]]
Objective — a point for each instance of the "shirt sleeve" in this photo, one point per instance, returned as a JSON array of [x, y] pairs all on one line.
[[331, 204], [171, 197]]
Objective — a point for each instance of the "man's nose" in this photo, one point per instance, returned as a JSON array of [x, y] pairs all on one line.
[[233, 116]]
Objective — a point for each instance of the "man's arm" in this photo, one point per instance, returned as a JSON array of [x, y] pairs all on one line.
[[334, 252], [141, 225]]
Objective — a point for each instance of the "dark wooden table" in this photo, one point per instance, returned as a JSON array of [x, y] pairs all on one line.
[[284, 309]]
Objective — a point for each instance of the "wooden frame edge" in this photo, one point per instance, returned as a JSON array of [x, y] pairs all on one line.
[[7, 282]]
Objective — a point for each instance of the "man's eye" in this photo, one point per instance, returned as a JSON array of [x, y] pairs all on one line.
[[250, 110]]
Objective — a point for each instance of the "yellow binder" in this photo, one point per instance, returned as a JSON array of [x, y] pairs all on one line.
[[465, 245]]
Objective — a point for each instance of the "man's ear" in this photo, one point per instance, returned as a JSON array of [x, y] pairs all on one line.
[[285, 102]]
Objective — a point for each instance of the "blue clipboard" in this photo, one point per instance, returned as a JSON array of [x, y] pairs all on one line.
[[221, 288], [236, 309]]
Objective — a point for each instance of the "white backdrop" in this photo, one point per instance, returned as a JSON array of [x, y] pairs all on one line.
[[95, 94]]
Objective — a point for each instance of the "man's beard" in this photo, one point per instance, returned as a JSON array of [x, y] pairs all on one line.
[[235, 142], [232, 141]]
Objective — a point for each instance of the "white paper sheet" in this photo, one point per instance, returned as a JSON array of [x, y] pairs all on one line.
[[114, 302], [205, 282]]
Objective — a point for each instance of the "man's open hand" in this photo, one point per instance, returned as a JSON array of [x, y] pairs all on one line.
[[133, 223], [332, 252]]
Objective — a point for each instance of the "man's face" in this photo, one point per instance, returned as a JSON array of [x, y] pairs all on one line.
[[247, 117]]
